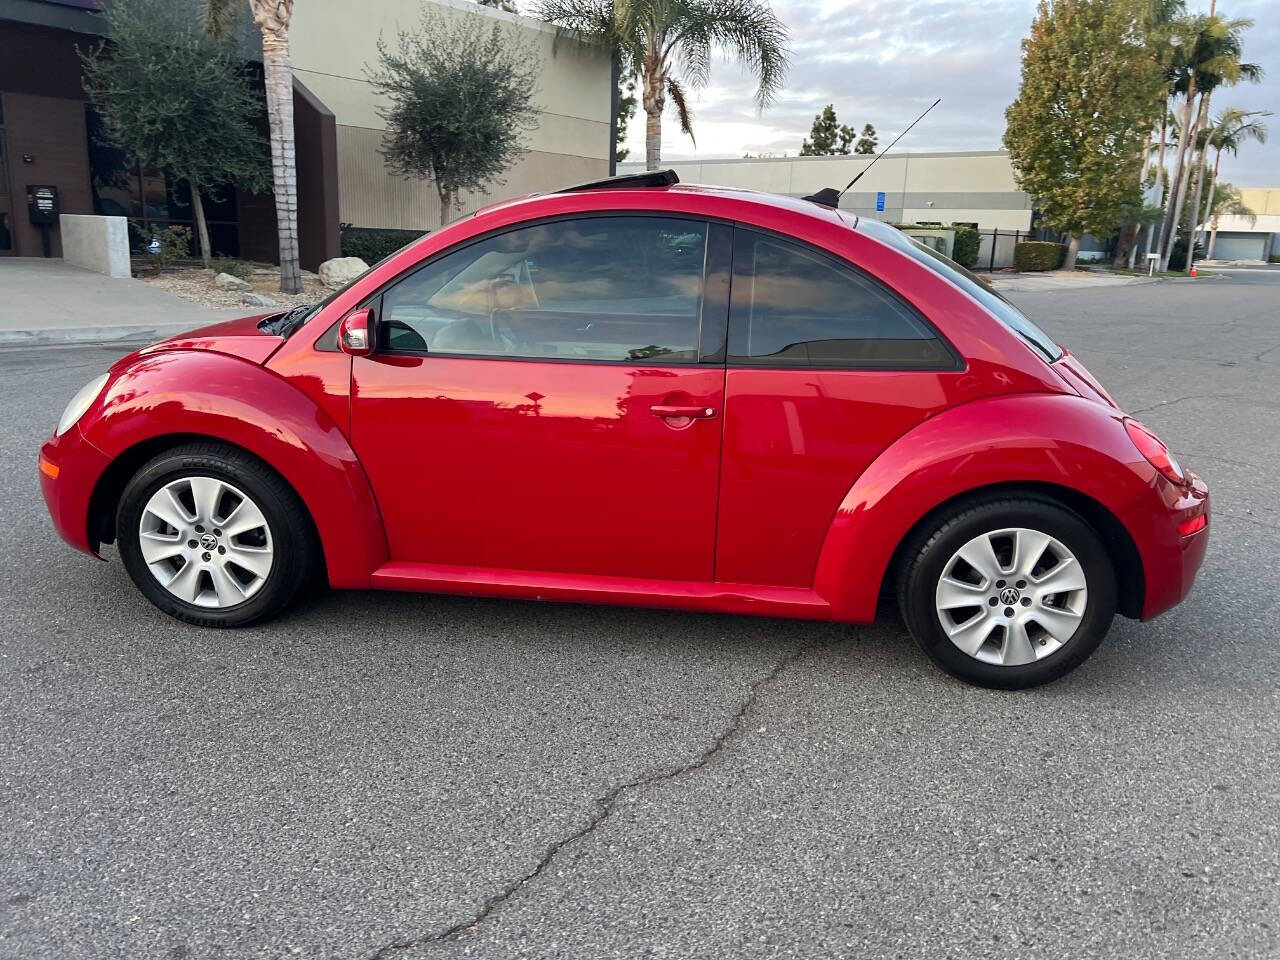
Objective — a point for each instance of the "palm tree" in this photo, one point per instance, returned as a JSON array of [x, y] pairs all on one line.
[[272, 18], [1207, 55], [667, 45], [1226, 201], [1233, 128]]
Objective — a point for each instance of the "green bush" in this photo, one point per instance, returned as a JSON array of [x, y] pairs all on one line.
[[965, 250], [1178, 256], [1038, 255], [237, 268], [374, 245]]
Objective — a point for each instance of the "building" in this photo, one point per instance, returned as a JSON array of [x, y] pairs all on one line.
[[1245, 238], [47, 129], [974, 188]]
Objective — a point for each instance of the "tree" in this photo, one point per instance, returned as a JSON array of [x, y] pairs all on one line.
[[1089, 94], [653, 37], [868, 142], [460, 97], [272, 18], [1232, 129], [1225, 201], [176, 100], [1222, 67], [1207, 51], [626, 110], [828, 137]]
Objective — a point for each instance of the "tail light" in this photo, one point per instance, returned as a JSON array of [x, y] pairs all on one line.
[[1155, 451]]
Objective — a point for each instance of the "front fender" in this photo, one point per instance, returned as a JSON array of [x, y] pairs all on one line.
[[200, 393], [1054, 439]]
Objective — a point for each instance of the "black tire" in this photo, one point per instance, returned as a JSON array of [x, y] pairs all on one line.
[[293, 540], [928, 555]]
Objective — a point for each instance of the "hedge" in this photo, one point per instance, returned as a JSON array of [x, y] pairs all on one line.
[[1037, 255], [967, 243], [373, 245]]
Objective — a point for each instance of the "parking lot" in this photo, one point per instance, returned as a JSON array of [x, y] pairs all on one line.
[[400, 776]]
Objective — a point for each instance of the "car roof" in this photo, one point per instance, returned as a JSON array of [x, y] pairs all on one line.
[[617, 192]]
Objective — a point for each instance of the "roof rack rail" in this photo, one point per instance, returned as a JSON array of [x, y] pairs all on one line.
[[650, 178]]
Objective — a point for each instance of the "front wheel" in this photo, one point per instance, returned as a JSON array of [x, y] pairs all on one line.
[[1009, 593], [213, 536]]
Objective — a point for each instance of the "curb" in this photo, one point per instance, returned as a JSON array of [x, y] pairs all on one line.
[[59, 336]]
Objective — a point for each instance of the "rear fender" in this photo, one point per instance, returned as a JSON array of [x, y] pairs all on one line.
[[1053, 439], [206, 394]]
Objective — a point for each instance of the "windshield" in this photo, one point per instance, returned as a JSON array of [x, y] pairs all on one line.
[[976, 287], [291, 321]]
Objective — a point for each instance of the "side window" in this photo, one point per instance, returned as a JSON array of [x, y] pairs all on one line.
[[795, 307], [625, 289]]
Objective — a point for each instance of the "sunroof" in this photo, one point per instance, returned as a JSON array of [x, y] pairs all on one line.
[[650, 178]]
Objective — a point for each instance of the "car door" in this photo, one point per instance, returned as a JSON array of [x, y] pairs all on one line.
[[826, 367], [550, 398]]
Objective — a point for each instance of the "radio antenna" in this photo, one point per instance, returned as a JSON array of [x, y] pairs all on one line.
[[886, 149]]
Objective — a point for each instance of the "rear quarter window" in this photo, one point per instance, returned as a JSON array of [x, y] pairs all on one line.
[[977, 288]]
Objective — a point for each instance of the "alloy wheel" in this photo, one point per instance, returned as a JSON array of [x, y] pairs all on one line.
[[206, 542], [1011, 596]]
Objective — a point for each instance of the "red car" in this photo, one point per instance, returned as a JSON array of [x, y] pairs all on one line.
[[637, 392]]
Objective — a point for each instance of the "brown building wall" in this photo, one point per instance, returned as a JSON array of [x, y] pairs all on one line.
[[43, 105], [51, 131]]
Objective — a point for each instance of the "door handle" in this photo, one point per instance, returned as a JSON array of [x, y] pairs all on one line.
[[666, 411]]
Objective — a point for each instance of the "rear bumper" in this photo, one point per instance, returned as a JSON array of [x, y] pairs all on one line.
[[70, 468], [1179, 538]]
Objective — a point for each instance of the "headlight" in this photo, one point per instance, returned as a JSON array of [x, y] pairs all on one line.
[[80, 403]]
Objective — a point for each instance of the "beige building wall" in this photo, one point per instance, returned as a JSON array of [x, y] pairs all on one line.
[[947, 187], [333, 41], [1263, 201]]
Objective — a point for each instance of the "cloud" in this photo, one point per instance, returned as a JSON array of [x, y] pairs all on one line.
[[883, 62]]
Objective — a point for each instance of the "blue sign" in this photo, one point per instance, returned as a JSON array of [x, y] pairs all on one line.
[[880, 202]]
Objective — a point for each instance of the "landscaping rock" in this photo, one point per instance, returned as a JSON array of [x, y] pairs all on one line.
[[341, 270], [225, 281], [257, 300]]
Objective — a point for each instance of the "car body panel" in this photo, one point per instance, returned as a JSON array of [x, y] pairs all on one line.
[[541, 466], [1038, 439], [200, 393], [237, 338]]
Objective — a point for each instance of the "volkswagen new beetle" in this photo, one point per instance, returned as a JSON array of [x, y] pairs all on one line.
[[641, 392]]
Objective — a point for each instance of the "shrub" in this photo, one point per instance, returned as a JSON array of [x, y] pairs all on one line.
[[374, 245], [1038, 255], [237, 268], [1178, 256], [967, 243], [174, 243]]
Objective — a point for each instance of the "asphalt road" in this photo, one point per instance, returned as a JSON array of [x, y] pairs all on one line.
[[401, 776]]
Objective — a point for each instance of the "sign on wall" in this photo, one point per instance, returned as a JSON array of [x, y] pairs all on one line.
[[880, 202]]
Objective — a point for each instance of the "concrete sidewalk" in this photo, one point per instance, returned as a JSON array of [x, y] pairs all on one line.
[[1060, 280], [50, 302]]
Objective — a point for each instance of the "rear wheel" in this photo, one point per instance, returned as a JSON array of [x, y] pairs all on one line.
[[214, 537], [1009, 593]]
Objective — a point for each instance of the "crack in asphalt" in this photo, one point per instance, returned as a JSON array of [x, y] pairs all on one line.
[[604, 808]]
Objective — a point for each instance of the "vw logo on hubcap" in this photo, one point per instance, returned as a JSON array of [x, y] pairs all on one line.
[[209, 542], [1009, 596]]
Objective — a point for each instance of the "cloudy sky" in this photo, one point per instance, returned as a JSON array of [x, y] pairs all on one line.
[[884, 61]]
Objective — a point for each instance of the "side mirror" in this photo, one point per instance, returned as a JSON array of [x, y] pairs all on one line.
[[357, 333]]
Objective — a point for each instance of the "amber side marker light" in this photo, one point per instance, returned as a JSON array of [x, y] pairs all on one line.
[[1155, 452], [49, 468]]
